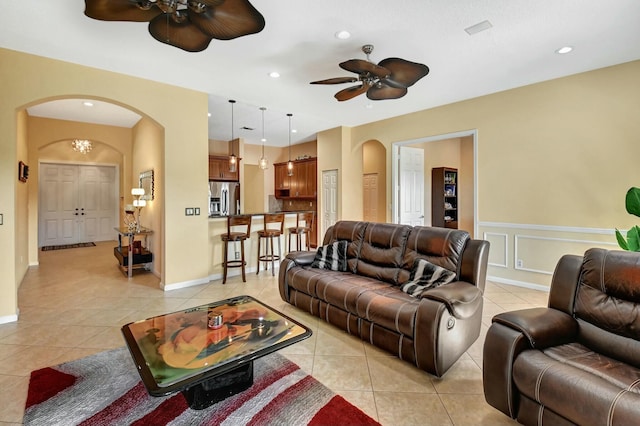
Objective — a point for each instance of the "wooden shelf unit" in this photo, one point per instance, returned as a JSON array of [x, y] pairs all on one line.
[[444, 197]]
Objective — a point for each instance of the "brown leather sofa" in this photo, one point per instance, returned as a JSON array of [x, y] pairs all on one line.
[[431, 331], [578, 360]]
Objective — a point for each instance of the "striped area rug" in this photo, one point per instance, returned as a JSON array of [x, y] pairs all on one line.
[[68, 246], [105, 389]]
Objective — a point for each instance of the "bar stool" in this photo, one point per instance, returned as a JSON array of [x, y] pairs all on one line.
[[244, 223], [270, 232], [304, 226]]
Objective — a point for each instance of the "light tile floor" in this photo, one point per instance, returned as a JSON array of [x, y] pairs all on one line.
[[74, 303]]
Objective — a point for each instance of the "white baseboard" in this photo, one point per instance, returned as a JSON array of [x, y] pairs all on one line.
[[517, 283], [8, 318], [214, 277]]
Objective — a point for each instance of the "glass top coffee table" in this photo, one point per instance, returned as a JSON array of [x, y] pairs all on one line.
[[207, 352]]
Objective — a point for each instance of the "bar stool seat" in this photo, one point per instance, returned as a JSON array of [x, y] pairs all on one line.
[[304, 226], [242, 231], [273, 229]]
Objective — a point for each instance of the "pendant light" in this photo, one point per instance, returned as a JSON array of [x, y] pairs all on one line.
[[263, 163], [233, 161], [290, 163]]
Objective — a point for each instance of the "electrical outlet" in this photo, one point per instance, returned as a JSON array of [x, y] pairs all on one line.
[[519, 263], [237, 255], [196, 210]]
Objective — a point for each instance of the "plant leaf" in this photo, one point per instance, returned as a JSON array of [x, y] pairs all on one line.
[[632, 201], [633, 238], [621, 241]]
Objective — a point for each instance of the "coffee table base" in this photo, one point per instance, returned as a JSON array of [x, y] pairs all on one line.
[[219, 387]]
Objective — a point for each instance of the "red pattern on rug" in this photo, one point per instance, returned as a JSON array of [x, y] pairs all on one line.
[[105, 389], [47, 383]]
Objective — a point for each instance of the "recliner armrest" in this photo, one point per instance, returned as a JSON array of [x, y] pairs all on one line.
[[462, 299], [543, 327], [302, 258]]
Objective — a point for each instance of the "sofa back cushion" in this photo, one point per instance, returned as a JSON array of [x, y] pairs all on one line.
[[382, 251], [441, 246], [350, 231], [607, 302]]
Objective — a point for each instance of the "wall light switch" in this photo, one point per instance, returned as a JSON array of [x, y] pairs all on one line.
[[188, 211], [197, 211], [1, 218]]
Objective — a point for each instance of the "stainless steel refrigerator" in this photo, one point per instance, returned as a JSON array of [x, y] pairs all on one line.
[[224, 198]]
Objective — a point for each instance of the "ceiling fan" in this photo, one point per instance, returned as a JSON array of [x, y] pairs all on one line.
[[389, 79], [187, 24]]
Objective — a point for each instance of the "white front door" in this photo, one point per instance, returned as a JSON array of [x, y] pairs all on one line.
[[411, 187], [329, 199], [77, 204]]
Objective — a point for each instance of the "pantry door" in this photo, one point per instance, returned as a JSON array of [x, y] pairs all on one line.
[[78, 203], [411, 186]]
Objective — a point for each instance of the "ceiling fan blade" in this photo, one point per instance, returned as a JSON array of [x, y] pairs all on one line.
[[336, 80], [228, 19], [351, 92], [379, 92], [360, 66], [403, 73], [180, 33], [119, 10]]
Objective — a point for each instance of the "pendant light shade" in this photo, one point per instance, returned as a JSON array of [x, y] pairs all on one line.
[[290, 163], [233, 160], [263, 163]]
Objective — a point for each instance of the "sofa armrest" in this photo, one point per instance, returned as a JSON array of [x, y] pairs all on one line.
[[543, 327], [302, 258], [462, 299]]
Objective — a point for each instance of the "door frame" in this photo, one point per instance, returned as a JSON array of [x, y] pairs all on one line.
[[395, 170], [116, 185]]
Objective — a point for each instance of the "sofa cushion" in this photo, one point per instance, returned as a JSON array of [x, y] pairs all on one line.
[[332, 256], [440, 246], [381, 253], [586, 387], [350, 231], [426, 275]]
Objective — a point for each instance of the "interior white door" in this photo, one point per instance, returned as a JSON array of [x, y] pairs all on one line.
[[370, 197], [411, 197], [329, 199], [77, 203]]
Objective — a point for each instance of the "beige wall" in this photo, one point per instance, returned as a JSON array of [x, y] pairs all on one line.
[[374, 161], [28, 80], [559, 154]]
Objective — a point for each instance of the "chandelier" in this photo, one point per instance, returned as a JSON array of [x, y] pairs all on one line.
[[82, 145]]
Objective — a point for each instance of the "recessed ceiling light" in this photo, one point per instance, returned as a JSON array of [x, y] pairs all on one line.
[[87, 104], [369, 106], [343, 35], [294, 131], [274, 74], [563, 50], [208, 114]]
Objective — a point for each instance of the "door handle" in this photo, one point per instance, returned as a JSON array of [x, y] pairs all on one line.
[[421, 217]]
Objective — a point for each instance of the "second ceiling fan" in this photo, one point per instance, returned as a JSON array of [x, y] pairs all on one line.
[[389, 79]]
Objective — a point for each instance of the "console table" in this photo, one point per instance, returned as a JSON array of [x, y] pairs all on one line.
[[128, 258]]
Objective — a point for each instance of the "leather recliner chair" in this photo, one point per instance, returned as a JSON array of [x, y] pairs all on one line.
[[578, 360]]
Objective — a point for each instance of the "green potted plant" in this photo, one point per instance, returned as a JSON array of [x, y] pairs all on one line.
[[632, 204]]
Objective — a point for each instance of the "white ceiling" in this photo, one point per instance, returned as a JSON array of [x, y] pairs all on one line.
[[298, 41]]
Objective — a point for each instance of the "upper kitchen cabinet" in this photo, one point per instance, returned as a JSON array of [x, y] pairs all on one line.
[[219, 169], [303, 183]]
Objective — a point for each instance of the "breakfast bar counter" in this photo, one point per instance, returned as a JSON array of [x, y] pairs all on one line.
[[218, 226]]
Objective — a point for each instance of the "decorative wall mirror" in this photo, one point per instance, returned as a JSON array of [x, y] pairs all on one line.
[[146, 182]]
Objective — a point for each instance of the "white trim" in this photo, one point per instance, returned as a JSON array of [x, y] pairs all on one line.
[[184, 284], [506, 248], [8, 318], [552, 228], [517, 283], [214, 277]]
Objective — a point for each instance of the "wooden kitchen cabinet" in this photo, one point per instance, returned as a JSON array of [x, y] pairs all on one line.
[[303, 183], [219, 169]]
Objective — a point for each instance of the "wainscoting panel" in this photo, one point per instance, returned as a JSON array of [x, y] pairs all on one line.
[[499, 251], [526, 255]]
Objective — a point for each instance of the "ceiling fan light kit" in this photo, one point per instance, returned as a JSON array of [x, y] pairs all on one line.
[[389, 79], [187, 24]]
